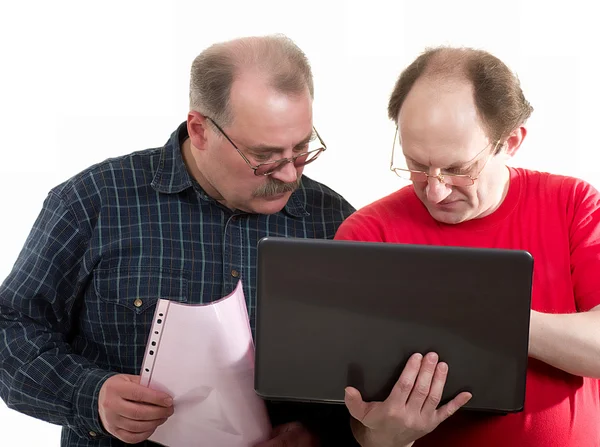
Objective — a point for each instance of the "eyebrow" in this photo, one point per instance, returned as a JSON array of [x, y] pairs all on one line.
[[458, 165], [267, 148]]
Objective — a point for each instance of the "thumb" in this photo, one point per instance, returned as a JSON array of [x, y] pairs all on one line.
[[132, 378], [452, 407], [356, 406]]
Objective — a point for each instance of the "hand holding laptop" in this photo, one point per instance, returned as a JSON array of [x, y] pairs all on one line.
[[411, 410], [359, 310]]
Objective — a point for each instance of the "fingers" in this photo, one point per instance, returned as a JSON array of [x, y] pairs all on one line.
[[133, 426], [141, 412], [435, 396], [356, 406], [133, 378], [403, 387], [452, 407], [134, 418], [129, 411], [411, 410], [139, 393], [421, 390], [437, 388]]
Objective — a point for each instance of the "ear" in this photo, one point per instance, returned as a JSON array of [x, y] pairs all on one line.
[[197, 126], [514, 141]]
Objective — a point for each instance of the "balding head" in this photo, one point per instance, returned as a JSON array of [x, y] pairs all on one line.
[[275, 60], [497, 93]]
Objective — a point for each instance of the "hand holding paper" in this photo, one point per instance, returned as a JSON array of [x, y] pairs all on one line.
[[203, 356], [130, 411]]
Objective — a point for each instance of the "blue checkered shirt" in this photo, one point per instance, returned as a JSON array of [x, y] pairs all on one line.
[[108, 243]]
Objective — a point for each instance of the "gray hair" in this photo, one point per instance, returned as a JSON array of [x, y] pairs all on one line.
[[213, 72]]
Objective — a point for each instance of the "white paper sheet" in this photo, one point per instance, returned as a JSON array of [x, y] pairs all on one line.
[[204, 358]]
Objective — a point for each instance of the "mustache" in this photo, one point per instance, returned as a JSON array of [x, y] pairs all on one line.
[[275, 187]]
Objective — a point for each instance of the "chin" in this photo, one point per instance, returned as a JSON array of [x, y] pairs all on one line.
[[451, 219], [448, 217], [270, 205]]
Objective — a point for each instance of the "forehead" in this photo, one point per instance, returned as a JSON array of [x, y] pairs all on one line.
[[439, 124], [258, 108]]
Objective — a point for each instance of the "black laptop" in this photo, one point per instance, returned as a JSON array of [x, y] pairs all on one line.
[[337, 313]]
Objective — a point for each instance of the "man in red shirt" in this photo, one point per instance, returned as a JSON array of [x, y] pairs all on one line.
[[461, 115]]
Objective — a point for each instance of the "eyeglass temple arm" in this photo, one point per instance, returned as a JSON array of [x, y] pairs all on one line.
[[393, 147]]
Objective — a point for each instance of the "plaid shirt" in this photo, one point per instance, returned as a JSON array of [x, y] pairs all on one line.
[[108, 243]]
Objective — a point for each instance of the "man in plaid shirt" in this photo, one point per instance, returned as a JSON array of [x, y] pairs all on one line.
[[181, 222]]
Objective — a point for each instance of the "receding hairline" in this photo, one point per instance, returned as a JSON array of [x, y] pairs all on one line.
[[281, 65], [499, 98], [445, 69], [449, 63], [258, 55], [445, 65]]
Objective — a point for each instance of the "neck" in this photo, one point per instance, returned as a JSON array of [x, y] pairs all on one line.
[[500, 193], [191, 164]]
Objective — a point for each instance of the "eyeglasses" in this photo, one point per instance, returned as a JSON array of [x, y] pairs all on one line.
[[448, 179], [268, 167]]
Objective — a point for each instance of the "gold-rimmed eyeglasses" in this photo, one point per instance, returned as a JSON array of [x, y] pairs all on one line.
[[446, 178], [268, 167]]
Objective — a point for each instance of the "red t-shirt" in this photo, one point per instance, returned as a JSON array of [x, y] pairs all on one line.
[[556, 219]]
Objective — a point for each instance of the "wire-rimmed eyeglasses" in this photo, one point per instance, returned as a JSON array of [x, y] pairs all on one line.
[[268, 167], [446, 178]]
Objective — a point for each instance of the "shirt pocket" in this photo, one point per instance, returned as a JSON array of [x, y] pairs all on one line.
[[117, 314], [137, 290]]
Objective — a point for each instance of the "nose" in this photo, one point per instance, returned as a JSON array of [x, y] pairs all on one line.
[[287, 173], [436, 191]]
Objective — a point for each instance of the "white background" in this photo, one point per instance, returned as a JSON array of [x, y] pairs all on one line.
[[81, 81]]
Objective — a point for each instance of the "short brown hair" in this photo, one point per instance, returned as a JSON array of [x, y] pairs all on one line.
[[284, 64], [497, 92]]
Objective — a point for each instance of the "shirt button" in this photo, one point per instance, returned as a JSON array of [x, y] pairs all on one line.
[[93, 434], [235, 273], [137, 302]]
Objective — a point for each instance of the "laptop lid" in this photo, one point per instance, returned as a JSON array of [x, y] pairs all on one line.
[[337, 313]]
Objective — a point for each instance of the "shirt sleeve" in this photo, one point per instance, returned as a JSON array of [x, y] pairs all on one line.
[[40, 375], [585, 245]]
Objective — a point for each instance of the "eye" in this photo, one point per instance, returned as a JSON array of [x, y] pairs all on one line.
[[417, 167], [301, 148], [464, 170], [458, 171], [262, 157]]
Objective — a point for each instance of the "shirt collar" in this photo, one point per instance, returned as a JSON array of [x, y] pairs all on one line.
[[172, 176], [295, 206]]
